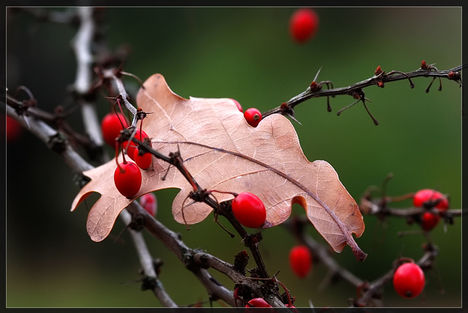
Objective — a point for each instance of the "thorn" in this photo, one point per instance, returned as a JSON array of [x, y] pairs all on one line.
[[440, 84], [370, 114], [221, 225], [317, 74], [165, 174], [329, 108], [135, 77], [294, 119], [347, 107], [430, 84]]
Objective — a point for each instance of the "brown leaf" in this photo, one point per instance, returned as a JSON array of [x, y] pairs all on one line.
[[224, 153]]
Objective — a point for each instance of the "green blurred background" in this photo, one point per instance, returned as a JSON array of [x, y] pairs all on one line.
[[246, 54]]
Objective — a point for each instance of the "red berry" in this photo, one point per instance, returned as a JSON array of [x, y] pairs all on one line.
[[408, 280], [133, 146], [300, 260], [429, 221], [144, 160], [253, 116], [249, 210], [111, 127], [426, 196], [238, 105], [127, 179], [13, 129], [149, 203], [257, 303], [303, 25]]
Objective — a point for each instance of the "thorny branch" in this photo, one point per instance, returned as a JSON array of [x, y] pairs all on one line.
[[356, 90]]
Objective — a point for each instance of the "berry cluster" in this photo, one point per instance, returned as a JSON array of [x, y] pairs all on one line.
[[429, 199], [127, 175]]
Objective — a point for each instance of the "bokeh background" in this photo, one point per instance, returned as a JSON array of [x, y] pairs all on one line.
[[246, 54]]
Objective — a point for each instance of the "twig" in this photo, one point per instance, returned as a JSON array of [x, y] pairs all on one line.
[[356, 89], [376, 207]]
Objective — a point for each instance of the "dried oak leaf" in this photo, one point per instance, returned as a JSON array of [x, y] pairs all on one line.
[[224, 153]]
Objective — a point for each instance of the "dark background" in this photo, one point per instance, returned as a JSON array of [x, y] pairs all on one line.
[[246, 54]]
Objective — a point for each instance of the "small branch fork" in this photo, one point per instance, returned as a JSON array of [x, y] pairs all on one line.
[[356, 90]]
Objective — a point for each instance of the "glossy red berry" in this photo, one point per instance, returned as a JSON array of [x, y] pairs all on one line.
[[257, 303], [408, 280], [133, 146], [253, 116], [426, 196], [300, 260], [111, 127], [429, 221], [13, 129], [144, 160], [149, 203], [238, 105], [127, 179], [303, 25], [249, 210]]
